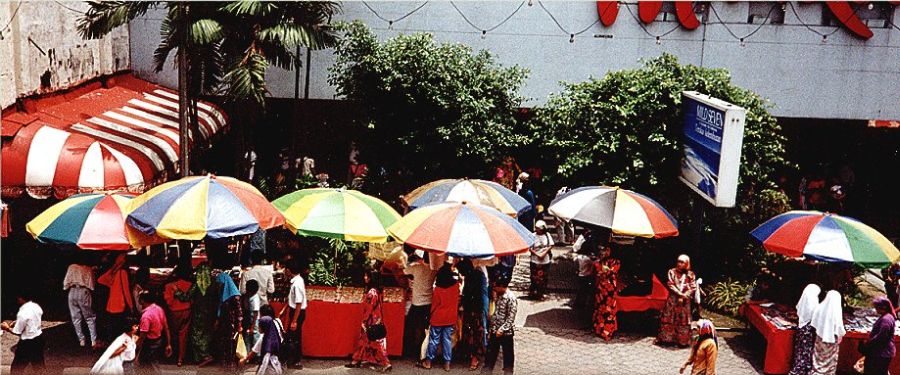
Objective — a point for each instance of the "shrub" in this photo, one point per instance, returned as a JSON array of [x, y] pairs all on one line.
[[727, 296]]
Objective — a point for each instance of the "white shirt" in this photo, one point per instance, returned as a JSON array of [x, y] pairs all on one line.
[[130, 348], [540, 242], [28, 321], [585, 265], [297, 295], [254, 303], [422, 283], [79, 275], [579, 242]]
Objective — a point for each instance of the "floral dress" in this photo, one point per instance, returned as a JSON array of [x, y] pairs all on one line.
[[804, 345], [675, 317], [203, 306], [605, 324], [374, 352], [474, 302]]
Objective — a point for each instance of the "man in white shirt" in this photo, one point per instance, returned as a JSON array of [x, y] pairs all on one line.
[[79, 282], [262, 275], [296, 303], [419, 314], [30, 349], [540, 260]]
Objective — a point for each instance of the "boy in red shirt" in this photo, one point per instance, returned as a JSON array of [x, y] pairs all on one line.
[[444, 310]]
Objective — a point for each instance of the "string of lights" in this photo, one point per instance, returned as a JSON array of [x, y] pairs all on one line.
[[13, 17], [742, 38], [492, 28], [401, 18], [67, 8], [627, 6]]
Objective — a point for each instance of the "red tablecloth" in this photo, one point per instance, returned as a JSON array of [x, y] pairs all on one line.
[[780, 345], [654, 301], [331, 329]]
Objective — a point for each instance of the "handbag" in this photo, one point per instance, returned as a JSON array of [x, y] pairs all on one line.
[[377, 331]]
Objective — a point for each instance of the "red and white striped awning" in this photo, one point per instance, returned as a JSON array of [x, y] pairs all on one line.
[[884, 124], [121, 135]]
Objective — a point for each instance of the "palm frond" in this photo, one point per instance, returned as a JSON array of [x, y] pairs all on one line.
[[246, 78], [250, 7], [104, 16], [205, 31]]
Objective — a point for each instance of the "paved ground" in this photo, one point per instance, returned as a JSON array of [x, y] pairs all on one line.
[[551, 338]]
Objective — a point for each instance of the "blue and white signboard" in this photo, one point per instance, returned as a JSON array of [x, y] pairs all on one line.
[[713, 135]]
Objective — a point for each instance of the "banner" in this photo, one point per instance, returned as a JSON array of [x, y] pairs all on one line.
[[713, 135]]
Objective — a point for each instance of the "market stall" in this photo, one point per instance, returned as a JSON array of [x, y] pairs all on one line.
[[777, 325], [653, 301], [333, 315]]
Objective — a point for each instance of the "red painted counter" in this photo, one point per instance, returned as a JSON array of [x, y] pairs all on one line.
[[331, 329], [780, 345]]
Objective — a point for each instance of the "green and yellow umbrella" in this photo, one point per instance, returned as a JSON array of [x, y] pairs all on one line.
[[337, 213]]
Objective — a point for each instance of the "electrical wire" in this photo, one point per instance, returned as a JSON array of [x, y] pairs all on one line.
[[823, 35], [66, 7], [722, 22], [552, 17], [483, 30], [641, 24], [15, 12], [892, 24], [395, 20]]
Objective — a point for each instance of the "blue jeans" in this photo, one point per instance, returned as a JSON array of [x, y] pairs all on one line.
[[440, 335]]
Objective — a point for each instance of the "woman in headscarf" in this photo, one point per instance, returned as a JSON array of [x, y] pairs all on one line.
[[828, 320], [805, 337], [540, 259], [675, 317], [607, 275], [705, 351], [473, 341], [203, 303], [229, 319], [879, 349], [371, 351]]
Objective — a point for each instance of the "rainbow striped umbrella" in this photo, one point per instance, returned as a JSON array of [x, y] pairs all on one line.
[[826, 237], [624, 211], [203, 206], [337, 213], [94, 221], [483, 192], [462, 230]]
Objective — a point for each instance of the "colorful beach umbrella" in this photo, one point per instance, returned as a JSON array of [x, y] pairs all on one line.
[[462, 230], [482, 192], [337, 213], [826, 237], [93, 221], [203, 206], [624, 211]]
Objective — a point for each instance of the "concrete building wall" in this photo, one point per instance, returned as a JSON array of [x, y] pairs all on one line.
[[43, 51], [803, 75]]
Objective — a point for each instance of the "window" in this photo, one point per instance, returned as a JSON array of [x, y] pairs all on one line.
[[874, 14], [765, 12]]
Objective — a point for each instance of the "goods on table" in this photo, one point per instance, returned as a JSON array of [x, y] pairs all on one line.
[[860, 320]]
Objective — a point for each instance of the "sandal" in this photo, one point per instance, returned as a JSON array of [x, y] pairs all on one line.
[[353, 365], [473, 366], [423, 365]]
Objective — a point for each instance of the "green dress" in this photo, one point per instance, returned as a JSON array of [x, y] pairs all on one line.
[[203, 310]]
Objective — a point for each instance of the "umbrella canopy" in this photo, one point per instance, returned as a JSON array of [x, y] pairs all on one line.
[[623, 211], [203, 206], [337, 213], [93, 221], [462, 230], [826, 237], [483, 192]]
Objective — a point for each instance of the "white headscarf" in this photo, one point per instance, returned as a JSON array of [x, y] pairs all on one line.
[[828, 320], [807, 304]]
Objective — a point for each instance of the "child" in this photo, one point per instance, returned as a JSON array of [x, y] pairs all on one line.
[[119, 356], [250, 307], [585, 277], [502, 329], [444, 308], [269, 344]]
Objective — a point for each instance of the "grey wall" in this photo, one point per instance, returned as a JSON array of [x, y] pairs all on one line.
[[843, 77]]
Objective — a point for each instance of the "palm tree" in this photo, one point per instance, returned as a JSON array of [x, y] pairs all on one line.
[[228, 46]]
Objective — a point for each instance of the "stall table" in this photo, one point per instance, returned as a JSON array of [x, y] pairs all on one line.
[[780, 344], [654, 301], [334, 315]]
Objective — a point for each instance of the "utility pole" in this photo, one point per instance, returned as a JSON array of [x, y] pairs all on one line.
[[183, 120]]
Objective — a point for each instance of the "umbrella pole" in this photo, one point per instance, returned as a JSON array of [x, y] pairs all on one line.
[[335, 265]]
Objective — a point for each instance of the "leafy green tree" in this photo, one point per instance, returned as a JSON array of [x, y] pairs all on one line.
[[434, 109], [626, 129]]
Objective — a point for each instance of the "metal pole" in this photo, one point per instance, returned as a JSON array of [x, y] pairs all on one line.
[[183, 123], [306, 84]]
